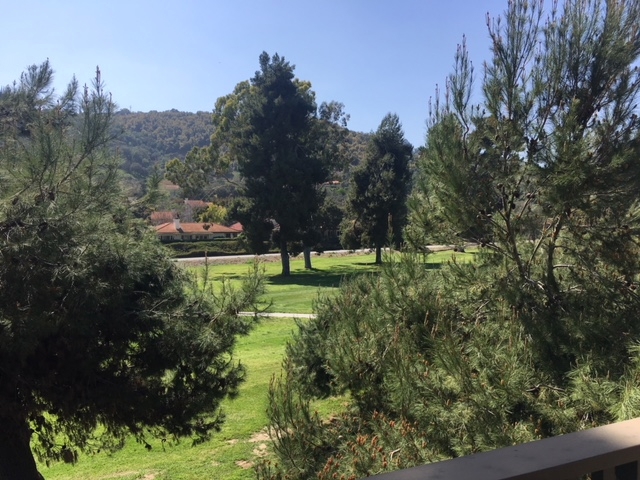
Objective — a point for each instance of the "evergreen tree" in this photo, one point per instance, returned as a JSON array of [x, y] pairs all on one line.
[[280, 178], [284, 147], [101, 335], [379, 188], [556, 154], [539, 335]]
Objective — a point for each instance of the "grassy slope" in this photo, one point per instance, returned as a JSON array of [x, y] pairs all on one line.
[[261, 352], [242, 437]]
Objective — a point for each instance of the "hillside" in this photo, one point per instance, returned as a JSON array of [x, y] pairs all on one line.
[[147, 139]]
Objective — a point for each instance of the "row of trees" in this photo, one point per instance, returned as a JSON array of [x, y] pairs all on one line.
[[101, 336], [539, 335], [285, 148]]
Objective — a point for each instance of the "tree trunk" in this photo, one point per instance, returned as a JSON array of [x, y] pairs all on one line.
[[284, 256], [307, 258], [16, 459], [378, 255]]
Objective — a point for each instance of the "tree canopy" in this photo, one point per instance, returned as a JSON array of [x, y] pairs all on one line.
[[284, 147], [379, 188], [101, 335], [538, 336]]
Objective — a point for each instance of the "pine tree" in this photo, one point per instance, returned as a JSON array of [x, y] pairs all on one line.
[[101, 335], [538, 336], [380, 187], [284, 147], [280, 180], [556, 155]]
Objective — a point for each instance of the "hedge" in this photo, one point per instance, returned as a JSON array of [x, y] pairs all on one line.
[[213, 248]]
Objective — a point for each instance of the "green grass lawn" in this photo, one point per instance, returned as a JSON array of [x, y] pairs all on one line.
[[242, 440], [296, 294]]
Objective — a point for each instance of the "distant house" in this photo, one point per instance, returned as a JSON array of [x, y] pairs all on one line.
[[197, 204], [189, 212], [193, 232]]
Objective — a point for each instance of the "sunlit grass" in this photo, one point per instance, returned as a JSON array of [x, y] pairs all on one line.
[[223, 456], [297, 293]]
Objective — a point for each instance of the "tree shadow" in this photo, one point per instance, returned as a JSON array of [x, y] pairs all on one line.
[[318, 278], [332, 277]]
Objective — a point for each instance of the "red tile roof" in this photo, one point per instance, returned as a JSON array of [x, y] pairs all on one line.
[[237, 226], [197, 228]]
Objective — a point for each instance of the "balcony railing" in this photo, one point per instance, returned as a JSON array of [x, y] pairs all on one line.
[[605, 453]]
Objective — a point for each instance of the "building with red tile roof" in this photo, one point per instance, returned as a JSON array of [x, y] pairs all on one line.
[[193, 232]]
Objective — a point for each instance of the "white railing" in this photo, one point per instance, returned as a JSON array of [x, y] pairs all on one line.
[[605, 453]]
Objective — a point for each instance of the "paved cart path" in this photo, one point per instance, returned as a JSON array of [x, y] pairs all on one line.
[[276, 256]]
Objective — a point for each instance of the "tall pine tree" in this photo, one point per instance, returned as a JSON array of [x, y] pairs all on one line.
[[284, 147], [539, 335], [379, 188]]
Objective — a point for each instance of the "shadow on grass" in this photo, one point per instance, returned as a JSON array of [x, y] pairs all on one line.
[[320, 278], [315, 277], [332, 277]]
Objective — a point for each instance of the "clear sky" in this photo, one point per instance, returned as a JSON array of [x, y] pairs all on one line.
[[374, 56]]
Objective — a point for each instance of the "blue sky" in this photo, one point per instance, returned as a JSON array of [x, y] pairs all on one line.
[[374, 56]]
